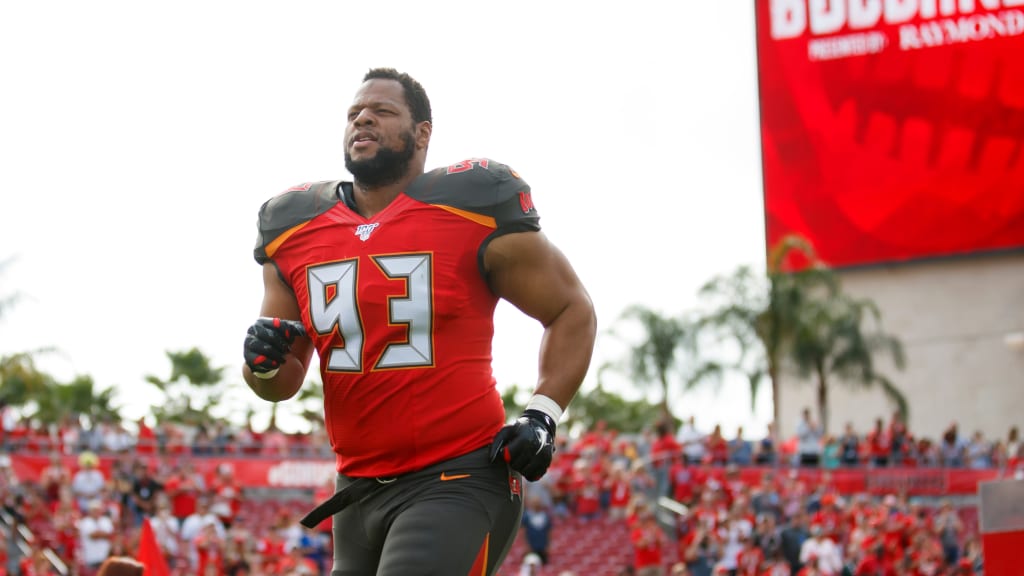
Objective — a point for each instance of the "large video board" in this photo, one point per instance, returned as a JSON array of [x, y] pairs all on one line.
[[893, 130]]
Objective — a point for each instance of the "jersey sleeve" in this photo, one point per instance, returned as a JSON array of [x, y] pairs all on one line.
[[288, 212], [482, 187]]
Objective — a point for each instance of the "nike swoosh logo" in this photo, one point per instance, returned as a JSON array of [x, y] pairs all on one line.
[[445, 477]]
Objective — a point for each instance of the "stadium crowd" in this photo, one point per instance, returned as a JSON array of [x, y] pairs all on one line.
[[679, 493]]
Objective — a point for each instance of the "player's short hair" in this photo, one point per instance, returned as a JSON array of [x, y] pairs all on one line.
[[415, 95]]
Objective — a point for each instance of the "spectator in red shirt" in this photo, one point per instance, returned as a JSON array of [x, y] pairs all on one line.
[[879, 446], [717, 447], [663, 449], [183, 488], [54, 477], [648, 544], [271, 547], [829, 517], [682, 480], [900, 441], [621, 492], [598, 438], [209, 547], [588, 503], [875, 562], [65, 527], [226, 490], [145, 442], [750, 558], [707, 513]]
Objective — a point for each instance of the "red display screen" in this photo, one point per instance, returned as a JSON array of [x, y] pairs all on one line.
[[893, 130]]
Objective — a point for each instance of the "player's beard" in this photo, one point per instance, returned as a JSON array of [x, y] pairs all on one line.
[[386, 167]]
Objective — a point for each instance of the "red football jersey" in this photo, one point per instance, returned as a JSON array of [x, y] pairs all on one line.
[[399, 309]]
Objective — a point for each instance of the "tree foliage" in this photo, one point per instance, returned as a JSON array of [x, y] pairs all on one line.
[[193, 387], [666, 353], [617, 412], [735, 306], [799, 318], [39, 396], [590, 407], [78, 398], [841, 337]]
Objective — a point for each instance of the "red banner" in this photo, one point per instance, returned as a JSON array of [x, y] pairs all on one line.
[[893, 129], [314, 473], [249, 472], [913, 481]]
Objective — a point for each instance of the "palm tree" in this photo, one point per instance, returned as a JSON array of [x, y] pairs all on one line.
[[788, 294], [760, 314], [668, 346], [193, 377], [736, 302], [21, 381], [841, 336], [40, 396], [617, 412], [77, 398]]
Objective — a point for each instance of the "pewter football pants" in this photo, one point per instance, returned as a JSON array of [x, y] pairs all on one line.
[[454, 518]]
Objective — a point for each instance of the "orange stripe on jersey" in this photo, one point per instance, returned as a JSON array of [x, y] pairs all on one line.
[[480, 564], [478, 218], [273, 246]]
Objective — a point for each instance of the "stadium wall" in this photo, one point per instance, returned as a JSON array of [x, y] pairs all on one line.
[[960, 321]]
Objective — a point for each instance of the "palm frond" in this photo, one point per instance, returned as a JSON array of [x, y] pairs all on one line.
[[895, 395]]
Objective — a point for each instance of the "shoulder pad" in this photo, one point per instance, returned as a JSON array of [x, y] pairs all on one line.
[[481, 186], [285, 213]]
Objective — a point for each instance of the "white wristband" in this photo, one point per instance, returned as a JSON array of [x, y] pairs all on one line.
[[265, 375], [546, 405]]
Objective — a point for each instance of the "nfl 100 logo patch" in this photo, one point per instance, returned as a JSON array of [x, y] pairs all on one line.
[[364, 230]]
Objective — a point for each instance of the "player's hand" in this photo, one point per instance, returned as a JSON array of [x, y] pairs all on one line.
[[267, 342], [528, 444]]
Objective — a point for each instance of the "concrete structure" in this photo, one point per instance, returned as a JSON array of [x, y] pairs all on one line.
[[961, 321]]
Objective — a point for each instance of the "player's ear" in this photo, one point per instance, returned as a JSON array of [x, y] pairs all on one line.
[[423, 131]]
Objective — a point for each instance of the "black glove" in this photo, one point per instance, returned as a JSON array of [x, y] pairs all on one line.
[[268, 341], [527, 445]]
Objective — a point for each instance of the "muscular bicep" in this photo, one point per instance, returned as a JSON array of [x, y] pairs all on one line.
[[531, 273], [278, 298], [279, 302]]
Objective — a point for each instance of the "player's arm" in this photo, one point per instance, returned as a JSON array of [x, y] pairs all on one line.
[[531, 273], [527, 270], [284, 380]]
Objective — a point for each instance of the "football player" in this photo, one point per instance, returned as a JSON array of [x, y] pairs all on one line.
[[393, 280]]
